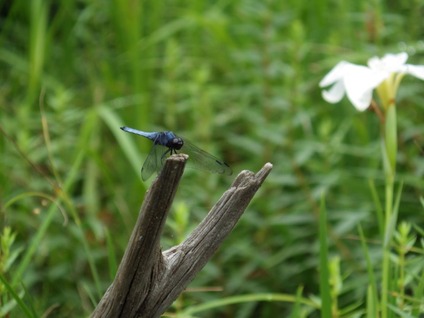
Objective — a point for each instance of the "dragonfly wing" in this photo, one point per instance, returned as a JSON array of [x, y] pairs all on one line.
[[202, 160], [154, 162]]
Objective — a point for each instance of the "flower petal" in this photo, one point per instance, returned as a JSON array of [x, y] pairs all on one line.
[[336, 74], [389, 63], [395, 62], [359, 84], [415, 70], [335, 93], [361, 101]]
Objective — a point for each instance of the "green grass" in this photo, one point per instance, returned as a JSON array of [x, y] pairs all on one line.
[[240, 78]]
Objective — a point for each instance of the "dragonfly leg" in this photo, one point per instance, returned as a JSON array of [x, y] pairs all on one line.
[[166, 152]]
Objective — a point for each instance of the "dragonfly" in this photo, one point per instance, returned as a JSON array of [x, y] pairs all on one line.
[[166, 143]]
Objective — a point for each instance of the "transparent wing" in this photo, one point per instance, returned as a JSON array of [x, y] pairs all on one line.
[[154, 162], [202, 160]]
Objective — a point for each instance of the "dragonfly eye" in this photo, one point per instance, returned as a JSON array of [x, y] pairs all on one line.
[[177, 143]]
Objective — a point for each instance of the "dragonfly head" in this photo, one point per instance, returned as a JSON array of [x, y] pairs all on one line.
[[175, 143]]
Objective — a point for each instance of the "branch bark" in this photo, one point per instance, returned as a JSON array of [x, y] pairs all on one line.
[[148, 281]]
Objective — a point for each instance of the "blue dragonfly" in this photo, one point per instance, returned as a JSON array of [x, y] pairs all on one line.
[[166, 143]]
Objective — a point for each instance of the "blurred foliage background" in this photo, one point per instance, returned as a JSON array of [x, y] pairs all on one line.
[[240, 78]]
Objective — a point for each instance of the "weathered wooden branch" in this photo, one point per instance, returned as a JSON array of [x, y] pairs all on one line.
[[148, 281]]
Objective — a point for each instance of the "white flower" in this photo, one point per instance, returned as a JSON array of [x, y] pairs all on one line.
[[358, 82]]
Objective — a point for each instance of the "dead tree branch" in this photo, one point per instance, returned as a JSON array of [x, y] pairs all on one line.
[[148, 281]]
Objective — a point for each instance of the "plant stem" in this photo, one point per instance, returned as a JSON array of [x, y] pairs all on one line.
[[386, 250], [389, 152]]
